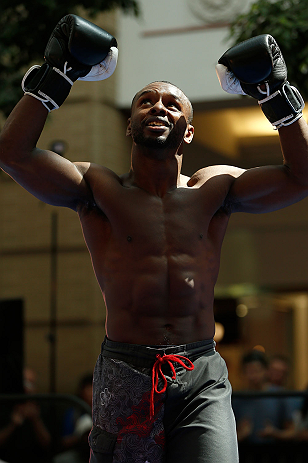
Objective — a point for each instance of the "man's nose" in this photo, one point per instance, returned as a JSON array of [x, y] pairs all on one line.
[[158, 108]]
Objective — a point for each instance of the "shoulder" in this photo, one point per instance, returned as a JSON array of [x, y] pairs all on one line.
[[216, 182], [101, 181], [99, 178], [92, 172], [224, 172]]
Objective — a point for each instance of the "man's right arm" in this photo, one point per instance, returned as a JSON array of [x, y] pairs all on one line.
[[48, 176], [77, 49]]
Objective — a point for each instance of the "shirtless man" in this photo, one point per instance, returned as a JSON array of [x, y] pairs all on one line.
[[160, 390]]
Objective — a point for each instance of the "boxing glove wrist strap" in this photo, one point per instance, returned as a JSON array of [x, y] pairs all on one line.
[[48, 84], [284, 106]]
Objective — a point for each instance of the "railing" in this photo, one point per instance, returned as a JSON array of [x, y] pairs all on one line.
[[53, 408], [256, 448], [50, 411]]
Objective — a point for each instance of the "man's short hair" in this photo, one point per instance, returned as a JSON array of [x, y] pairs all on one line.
[[255, 356]]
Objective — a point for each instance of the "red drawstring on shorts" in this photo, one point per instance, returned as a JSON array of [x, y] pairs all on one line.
[[157, 369]]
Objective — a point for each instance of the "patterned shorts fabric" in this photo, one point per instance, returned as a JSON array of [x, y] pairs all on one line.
[[148, 408], [121, 406]]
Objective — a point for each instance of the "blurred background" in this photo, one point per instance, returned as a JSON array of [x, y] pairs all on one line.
[[52, 313]]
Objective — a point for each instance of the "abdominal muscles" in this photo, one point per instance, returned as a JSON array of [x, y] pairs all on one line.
[[159, 301]]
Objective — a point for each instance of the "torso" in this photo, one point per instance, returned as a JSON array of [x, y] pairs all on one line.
[[156, 259]]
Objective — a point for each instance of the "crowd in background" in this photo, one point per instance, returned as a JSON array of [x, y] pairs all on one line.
[[267, 414], [40, 431], [265, 411]]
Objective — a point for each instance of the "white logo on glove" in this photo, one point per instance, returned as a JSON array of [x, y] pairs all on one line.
[[104, 69], [229, 83]]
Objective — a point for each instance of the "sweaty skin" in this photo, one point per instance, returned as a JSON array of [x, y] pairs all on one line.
[[154, 235]]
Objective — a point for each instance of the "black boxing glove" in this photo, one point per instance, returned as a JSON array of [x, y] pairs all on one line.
[[77, 49], [256, 67]]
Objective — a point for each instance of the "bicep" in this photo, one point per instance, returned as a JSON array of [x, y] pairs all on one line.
[[52, 178], [264, 189]]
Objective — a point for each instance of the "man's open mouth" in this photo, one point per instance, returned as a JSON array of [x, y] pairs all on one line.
[[157, 123]]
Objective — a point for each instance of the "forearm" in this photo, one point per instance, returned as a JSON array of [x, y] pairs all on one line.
[[241, 70], [294, 145], [21, 131], [46, 87]]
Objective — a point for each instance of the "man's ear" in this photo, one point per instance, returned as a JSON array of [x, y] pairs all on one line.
[[128, 129], [189, 134]]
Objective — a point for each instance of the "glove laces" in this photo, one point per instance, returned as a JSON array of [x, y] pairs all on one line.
[[156, 371]]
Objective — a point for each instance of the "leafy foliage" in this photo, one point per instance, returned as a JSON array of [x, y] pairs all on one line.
[[24, 32], [287, 22]]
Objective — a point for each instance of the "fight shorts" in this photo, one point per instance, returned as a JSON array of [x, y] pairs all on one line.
[[162, 404]]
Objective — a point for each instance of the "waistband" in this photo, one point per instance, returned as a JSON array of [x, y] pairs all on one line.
[[145, 356]]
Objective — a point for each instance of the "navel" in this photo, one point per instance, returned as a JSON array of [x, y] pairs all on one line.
[[168, 327]]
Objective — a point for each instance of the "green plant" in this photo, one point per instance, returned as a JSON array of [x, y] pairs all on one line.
[[287, 22]]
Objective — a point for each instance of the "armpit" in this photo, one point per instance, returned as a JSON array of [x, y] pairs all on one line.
[[89, 207], [229, 205]]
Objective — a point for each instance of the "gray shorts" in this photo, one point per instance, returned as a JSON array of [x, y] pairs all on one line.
[[192, 421]]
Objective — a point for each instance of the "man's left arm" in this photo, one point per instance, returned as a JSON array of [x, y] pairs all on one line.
[[268, 188], [257, 68]]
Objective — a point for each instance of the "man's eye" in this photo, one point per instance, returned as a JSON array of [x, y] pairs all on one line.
[[174, 105]]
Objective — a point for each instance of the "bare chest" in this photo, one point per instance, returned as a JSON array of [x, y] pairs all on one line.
[[182, 223]]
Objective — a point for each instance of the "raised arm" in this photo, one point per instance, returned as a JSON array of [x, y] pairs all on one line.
[[76, 49], [48, 176], [257, 68]]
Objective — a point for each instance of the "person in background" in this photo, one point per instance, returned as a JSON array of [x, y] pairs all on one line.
[[254, 415], [76, 427], [25, 437], [278, 374], [278, 371], [72, 416]]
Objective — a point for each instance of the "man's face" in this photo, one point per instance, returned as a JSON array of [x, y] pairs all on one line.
[[255, 374], [159, 118], [278, 372]]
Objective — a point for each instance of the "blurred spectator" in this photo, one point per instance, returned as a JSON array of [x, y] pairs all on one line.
[[254, 369], [254, 414], [278, 371], [76, 427], [299, 430], [301, 421], [23, 433]]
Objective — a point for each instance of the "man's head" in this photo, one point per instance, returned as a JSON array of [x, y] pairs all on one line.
[[191, 111], [161, 116], [278, 370], [29, 381], [254, 366]]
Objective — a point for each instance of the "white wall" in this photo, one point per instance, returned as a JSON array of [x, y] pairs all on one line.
[[169, 41]]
